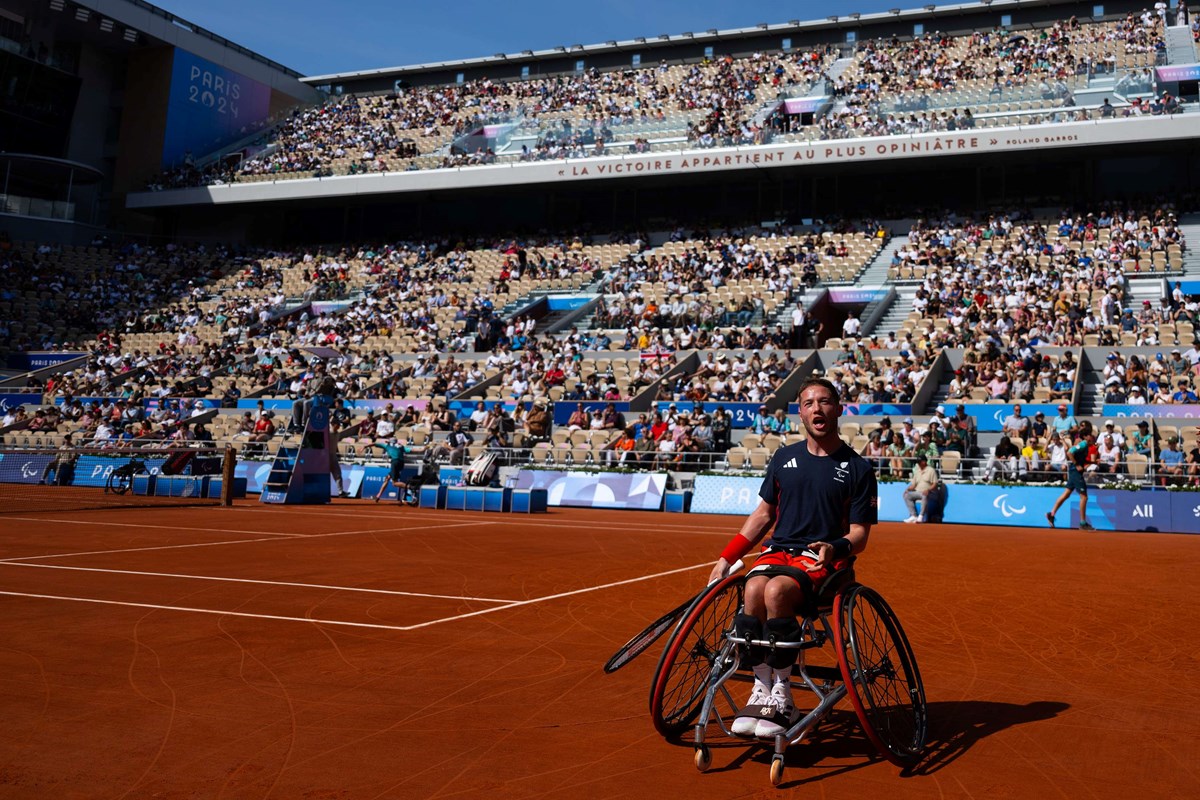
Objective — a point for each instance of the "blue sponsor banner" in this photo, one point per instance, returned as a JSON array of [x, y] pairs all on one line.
[[94, 470], [464, 408], [1152, 411], [563, 409], [255, 474], [1129, 511], [1011, 506], [11, 400], [269, 403], [641, 490], [153, 403], [210, 106], [1189, 288], [22, 467], [566, 302], [285, 404], [991, 416], [1185, 512], [725, 494], [1026, 506], [32, 360], [87, 401], [867, 409], [379, 405], [741, 415]]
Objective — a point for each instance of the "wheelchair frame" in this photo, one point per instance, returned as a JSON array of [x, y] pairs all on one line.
[[883, 683]]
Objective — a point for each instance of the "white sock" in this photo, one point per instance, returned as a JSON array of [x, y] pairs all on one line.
[[783, 676], [762, 677]]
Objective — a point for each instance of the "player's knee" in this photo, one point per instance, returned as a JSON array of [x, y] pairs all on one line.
[[783, 596], [782, 629], [755, 603]]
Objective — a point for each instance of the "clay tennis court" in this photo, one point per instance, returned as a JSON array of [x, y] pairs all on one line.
[[361, 651]]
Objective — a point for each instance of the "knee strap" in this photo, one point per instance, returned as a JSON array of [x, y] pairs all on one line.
[[783, 629], [746, 626]]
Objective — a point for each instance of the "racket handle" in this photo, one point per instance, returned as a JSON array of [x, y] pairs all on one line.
[[736, 566]]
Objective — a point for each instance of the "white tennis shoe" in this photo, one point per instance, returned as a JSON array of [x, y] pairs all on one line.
[[783, 713], [748, 718]]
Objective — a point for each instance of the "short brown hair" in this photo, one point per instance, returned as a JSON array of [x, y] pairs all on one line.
[[813, 380]]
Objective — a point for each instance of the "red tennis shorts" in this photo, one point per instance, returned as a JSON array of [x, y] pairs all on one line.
[[782, 558]]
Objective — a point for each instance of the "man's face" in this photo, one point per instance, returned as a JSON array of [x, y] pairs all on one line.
[[1017, 410], [819, 411]]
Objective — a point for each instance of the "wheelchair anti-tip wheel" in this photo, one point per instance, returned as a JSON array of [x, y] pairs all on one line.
[[680, 681], [881, 676]]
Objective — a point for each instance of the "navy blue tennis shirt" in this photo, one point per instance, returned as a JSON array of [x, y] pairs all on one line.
[[818, 498]]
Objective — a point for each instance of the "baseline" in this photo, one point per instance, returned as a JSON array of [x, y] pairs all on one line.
[[507, 605], [395, 592], [304, 537]]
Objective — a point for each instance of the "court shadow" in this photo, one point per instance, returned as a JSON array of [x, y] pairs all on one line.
[[954, 728]]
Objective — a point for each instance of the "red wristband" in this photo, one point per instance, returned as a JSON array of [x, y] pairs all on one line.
[[738, 546]]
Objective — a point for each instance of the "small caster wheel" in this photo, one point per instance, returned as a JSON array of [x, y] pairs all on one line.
[[776, 770], [702, 758]]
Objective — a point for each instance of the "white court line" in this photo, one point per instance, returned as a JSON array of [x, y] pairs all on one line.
[[161, 527], [204, 611], [265, 583], [236, 541], [359, 624], [560, 595]]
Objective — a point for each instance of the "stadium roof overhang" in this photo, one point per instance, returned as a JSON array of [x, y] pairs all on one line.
[[848, 21], [989, 143]]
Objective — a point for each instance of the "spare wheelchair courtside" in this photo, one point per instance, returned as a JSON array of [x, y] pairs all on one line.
[[875, 669]]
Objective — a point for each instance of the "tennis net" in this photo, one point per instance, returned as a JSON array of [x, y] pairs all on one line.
[[80, 478]]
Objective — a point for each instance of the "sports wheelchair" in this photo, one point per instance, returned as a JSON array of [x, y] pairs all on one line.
[[876, 670], [121, 478]]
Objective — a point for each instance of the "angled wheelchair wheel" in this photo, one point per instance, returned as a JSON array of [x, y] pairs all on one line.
[[679, 684], [118, 482], [881, 675]]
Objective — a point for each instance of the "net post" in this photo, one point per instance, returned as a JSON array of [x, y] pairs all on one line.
[[227, 472]]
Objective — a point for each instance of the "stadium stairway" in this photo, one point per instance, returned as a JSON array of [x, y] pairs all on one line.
[[1091, 395], [901, 307], [1181, 49], [876, 272], [1143, 289], [783, 314], [838, 67], [1189, 226]]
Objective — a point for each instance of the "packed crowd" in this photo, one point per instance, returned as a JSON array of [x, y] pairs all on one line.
[[894, 86], [1039, 280], [67, 298], [385, 133], [887, 91]]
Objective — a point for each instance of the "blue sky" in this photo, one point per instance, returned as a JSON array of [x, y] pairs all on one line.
[[317, 38]]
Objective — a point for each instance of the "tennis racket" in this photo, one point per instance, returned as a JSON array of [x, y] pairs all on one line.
[[642, 641]]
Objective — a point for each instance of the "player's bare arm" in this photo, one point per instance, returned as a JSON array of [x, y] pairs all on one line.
[[757, 523]]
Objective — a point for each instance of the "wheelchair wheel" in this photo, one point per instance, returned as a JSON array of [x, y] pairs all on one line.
[[880, 671], [679, 684], [118, 482]]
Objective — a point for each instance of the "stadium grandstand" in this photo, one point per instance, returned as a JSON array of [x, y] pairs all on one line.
[[977, 220]]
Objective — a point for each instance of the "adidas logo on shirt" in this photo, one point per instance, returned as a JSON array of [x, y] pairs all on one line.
[[791, 462]]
